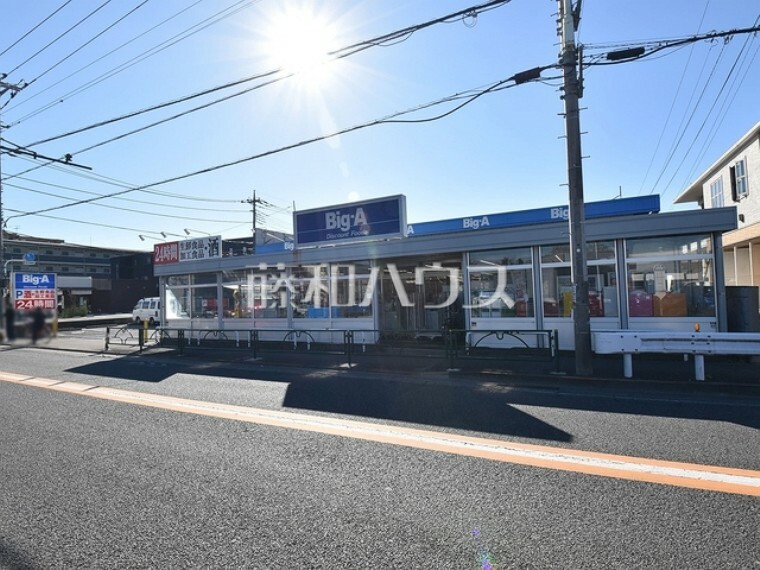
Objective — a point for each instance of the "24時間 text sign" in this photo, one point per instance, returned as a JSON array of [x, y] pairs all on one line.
[[35, 290]]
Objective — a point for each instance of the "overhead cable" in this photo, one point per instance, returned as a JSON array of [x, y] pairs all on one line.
[[88, 16], [61, 7], [273, 74], [88, 42], [189, 32], [468, 96]]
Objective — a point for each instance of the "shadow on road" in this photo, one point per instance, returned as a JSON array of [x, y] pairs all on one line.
[[13, 559], [458, 407], [463, 403]]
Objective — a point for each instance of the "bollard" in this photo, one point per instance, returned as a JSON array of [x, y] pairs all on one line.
[[108, 334], [628, 365], [699, 367]]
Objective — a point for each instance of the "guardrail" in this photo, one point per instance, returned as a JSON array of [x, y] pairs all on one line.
[[131, 336], [699, 344], [451, 345]]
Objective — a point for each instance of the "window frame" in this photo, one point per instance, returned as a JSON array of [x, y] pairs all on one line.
[[742, 185], [716, 193]]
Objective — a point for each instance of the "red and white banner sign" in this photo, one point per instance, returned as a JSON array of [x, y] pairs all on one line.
[[166, 253]]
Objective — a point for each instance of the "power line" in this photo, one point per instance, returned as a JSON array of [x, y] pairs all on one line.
[[336, 54], [647, 49], [673, 102], [205, 208], [88, 42], [102, 57], [122, 209], [61, 7], [19, 213], [707, 116], [188, 32], [531, 75], [91, 175], [718, 119], [27, 60], [679, 139]]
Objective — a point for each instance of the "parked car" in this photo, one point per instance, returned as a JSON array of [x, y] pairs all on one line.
[[147, 309]]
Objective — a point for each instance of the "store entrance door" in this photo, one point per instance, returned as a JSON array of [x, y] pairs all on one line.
[[420, 299]]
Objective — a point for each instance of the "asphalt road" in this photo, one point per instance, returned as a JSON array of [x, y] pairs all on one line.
[[92, 483]]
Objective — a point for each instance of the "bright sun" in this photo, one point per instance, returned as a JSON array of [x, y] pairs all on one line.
[[299, 42]]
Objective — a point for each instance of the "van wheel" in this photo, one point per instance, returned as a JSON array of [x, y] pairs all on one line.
[[151, 322], [137, 320]]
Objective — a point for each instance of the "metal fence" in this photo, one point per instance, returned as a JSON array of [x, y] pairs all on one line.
[[450, 346]]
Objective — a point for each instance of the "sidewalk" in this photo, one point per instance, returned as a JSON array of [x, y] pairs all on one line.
[[721, 371]]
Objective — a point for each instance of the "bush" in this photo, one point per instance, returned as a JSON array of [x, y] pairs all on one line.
[[74, 312]]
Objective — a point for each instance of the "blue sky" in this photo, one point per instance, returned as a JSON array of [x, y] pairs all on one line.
[[651, 126]]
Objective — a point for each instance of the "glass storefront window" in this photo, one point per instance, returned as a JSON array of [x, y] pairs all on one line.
[[351, 287], [270, 291], [237, 292], [557, 281], [204, 279], [669, 246], [311, 295], [177, 301], [671, 277], [602, 290], [204, 303], [506, 257], [501, 283], [178, 280]]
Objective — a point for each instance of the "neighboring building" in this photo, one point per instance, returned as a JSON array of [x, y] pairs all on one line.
[[131, 279], [734, 180], [84, 272]]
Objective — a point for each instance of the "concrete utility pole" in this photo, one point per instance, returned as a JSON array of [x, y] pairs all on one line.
[[568, 21], [253, 201]]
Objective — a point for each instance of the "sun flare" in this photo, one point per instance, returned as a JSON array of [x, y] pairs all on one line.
[[299, 42]]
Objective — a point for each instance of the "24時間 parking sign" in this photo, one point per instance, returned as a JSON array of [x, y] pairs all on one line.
[[33, 290]]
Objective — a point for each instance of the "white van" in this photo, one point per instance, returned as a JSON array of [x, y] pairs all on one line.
[[147, 309]]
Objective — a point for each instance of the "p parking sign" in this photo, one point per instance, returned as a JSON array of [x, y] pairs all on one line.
[[33, 290]]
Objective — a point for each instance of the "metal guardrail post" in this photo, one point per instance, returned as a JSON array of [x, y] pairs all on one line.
[[554, 342], [108, 335], [141, 335], [181, 341], [255, 343], [450, 343], [348, 343]]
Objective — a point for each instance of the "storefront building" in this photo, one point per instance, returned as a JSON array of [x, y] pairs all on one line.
[[361, 267]]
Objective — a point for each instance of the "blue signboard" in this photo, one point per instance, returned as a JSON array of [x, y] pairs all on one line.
[[619, 207], [276, 247], [34, 290], [358, 221]]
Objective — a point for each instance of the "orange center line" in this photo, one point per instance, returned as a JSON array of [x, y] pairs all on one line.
[[687, 475]]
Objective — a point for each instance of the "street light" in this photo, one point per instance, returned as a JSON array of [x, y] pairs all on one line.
[[188, 230], [143, 238]]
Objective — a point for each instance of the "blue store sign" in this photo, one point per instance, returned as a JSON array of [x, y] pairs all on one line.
[[619, 207], [358, 221], [34, 290]]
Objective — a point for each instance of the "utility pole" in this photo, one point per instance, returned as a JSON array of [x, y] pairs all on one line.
[[253, 201], [568, 21], [4, 88]]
